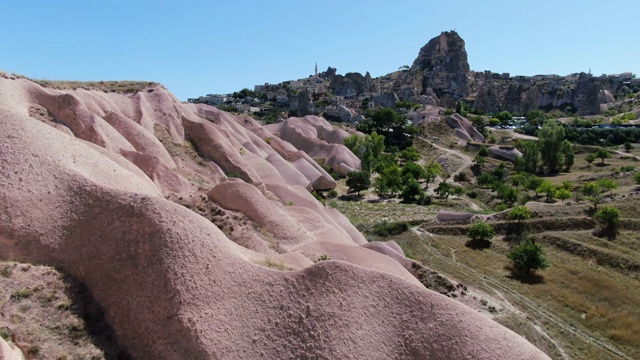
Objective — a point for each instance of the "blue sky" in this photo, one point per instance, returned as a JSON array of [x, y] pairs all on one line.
[[198, 47]]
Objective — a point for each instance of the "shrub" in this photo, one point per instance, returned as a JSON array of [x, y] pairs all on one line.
[[385, 228], [332, 194], [528, 256], [636, 178], [358, 181], [519, 214], [481, 232], [627, 168], [609, 218]]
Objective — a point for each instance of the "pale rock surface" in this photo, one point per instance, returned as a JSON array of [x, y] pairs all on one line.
[[505, 152], [463, 128], [318, 139], [173, 285]]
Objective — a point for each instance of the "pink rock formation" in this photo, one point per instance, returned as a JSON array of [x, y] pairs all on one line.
[[88, 197], [320, 140], [463, 128]]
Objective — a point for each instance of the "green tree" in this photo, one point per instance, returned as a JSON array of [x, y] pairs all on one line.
[[593, 193], [508, 194], [567, 185], [609, 218], [589, 159], [627, 146], [479, 161], [550, 138], [519, 213], [636, 178], [410, 154], [547, 188], [568, 154], [602, 154], [484, 152], [504, 116], [530, 157], [358, 181], [390, 180], [534, 183], [563, 194], [443, 190], [412, 170], [367, 148], [536, 117], [431, 171], [481, 232], [518, 179], [412, 191], [608, 185], [528, 256]]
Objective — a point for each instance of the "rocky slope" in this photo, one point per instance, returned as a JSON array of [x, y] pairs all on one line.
[[230, 268]]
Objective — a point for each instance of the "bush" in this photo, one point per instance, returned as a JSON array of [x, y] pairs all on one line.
[[481, 232], [385, 228], [609, 218], [358, 181], [332, 194], [528, 256], [519, 214], [636, 178]]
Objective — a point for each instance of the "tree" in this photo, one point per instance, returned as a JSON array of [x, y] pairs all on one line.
[[568, 154], [550, 138], [563, 194], [567, 185], [367, 148], [412, 191], [504, 116], [608, 184], [603, 154], [412, 170], [410, 154], [390, 179], [518, 180], [519, 213], [536, 117], [589, 159], [609, 218], [443, 190], [636, 178], [547, 188], [508, 194], [593, 193], [534, 183], [484, 152], [528, 256], [627, 146], [479, 161], [530, 157], [481, 232], [358, 181], [431, 171]]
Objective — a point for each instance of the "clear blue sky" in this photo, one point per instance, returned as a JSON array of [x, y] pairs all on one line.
[[198, 47]]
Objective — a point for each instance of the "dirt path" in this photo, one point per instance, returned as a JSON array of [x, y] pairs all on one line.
[[540, 312], [467, 161]]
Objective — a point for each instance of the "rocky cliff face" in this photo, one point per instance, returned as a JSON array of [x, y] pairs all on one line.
[[443, 65], [196, 232], [582, 94], [352, 84]]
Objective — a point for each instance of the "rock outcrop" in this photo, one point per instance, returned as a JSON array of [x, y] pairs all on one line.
[[316, 137], [352, 84], [463, 128], [174, 285], [443, 66]]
